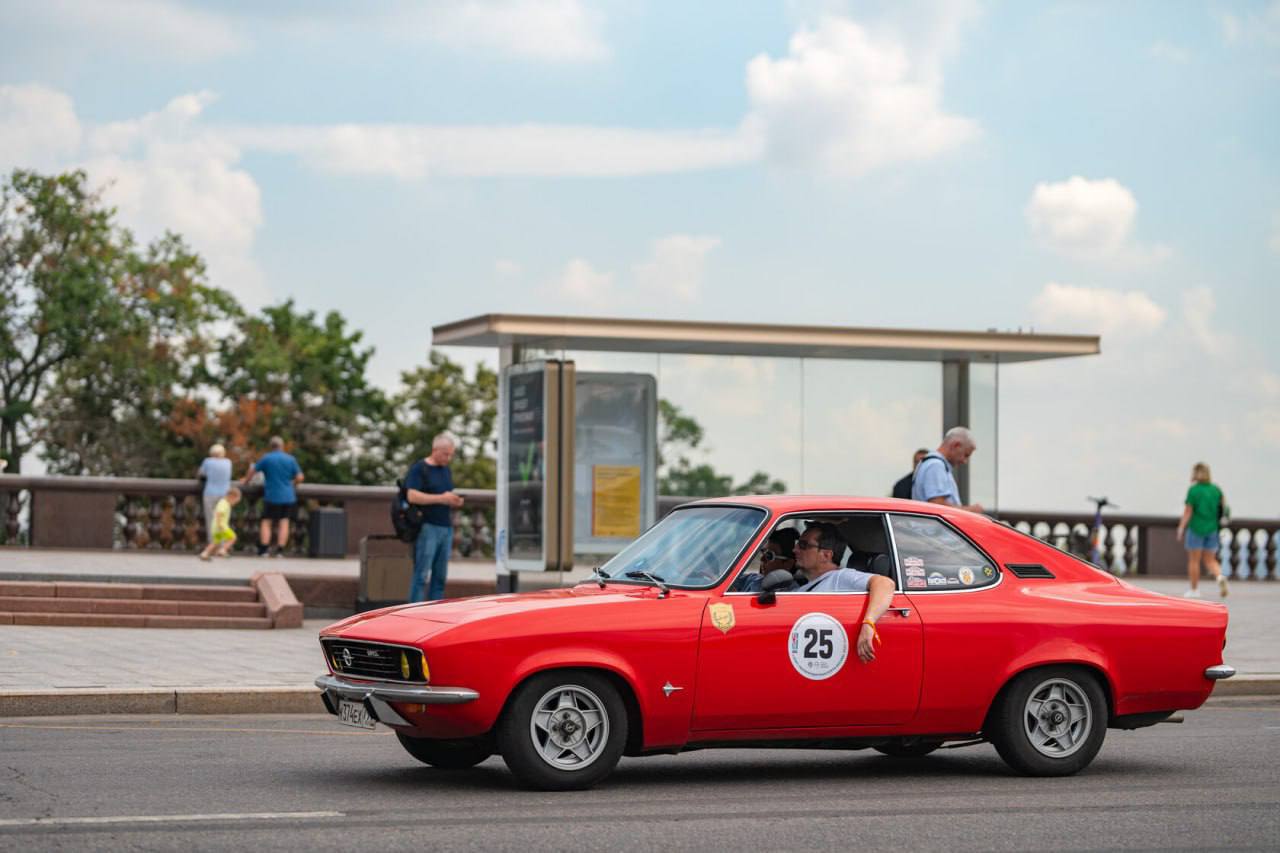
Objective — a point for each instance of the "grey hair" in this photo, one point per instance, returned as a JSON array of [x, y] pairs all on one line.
[[217, 451], [277, 443], [959, 434], [442, 439]]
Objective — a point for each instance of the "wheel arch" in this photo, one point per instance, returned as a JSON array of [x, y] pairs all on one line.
[[626, 692], [1088, 667]]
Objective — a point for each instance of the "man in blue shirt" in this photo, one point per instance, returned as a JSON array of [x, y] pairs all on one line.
[[934, 481], [816, 554], [429, 484], [280, 472]]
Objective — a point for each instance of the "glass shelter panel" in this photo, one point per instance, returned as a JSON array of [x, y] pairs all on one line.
[[984, 399]]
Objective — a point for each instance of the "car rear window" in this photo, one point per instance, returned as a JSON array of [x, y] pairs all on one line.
[[935, 557]]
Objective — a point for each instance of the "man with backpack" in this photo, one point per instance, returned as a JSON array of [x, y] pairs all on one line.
[[429, 486], [934, 481]]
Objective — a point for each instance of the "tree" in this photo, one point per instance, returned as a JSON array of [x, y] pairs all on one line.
[[113, 409], [307, 378], [440, 398], [679, 436], [59, 255]]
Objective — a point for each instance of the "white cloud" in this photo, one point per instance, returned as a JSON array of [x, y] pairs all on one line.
[[1197, 316], [677, 266], [851, 101], [1091, 219], [1261, 26], [584, 284], [546, 30], [129, 28], [162, 171], [1094, 310], [38, 127], [410, 152]]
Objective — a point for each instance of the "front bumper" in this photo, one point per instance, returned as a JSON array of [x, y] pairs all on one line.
[[1219, 672], [377, 696]]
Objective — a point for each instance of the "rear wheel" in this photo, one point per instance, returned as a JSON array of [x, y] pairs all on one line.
[[563, 731], [907, 747], [447, 754], [1050, 722]]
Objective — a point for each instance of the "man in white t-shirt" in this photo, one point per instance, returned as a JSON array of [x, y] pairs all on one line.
[[815, 557]]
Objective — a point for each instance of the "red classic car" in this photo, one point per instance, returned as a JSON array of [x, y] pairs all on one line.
[[679, 642]]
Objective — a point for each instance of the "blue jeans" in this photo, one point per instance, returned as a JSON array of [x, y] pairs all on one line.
[[431, 554]]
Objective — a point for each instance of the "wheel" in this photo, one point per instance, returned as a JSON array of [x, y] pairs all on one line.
[[1050, 722], [447, 754], [907, 748], [563, 731]]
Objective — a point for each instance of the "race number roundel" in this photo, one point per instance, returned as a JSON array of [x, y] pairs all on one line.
[[818, 646]]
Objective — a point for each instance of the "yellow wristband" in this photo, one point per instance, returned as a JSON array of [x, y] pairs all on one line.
[[875, 633]]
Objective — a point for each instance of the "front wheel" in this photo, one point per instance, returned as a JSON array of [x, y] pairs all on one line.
[[1050, 722], [447, 754], [563, 731]]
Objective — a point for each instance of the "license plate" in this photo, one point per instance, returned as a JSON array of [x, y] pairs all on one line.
[[354, 714]]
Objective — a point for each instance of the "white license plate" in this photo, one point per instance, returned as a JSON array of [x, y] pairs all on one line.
[[354, 714]]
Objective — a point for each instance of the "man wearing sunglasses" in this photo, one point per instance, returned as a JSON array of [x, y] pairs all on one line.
[[816, 555], [777, 552]]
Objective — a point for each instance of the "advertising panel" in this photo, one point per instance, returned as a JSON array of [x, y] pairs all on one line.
[[615, 460]]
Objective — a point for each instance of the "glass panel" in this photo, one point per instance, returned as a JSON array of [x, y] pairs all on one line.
[[690, 547], [984, 424], [933, 556]]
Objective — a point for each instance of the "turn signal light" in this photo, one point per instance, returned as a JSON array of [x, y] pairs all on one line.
[[404, 666], [426, 673]]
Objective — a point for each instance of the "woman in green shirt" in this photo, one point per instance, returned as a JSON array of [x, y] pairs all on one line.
[[1198, 529]]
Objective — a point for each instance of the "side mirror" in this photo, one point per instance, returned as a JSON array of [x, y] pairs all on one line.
[[778, 579]]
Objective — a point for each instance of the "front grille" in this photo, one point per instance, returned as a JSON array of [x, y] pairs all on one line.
[[373, 660]]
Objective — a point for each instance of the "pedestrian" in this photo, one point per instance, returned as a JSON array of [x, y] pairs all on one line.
[[902, 488], [1202, 514], [280, 473], [934, 481], [215, 470], [429, 484], [221, 534]]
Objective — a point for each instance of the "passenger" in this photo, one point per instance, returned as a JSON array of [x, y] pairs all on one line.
[[778, 552], [815, 556]]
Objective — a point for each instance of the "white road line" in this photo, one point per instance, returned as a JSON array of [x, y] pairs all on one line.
[[163, 818]]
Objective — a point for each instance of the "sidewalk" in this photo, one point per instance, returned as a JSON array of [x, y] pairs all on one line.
[[48, 670]]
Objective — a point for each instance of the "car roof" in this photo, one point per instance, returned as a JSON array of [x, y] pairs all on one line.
[[781, 504]]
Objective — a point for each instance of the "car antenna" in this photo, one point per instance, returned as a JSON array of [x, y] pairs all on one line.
[[600, 575]]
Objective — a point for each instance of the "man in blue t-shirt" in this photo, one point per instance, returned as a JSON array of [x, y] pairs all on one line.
[[934, 481], [280, 472], [429, 484]]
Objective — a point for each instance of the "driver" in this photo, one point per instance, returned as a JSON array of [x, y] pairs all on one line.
[[815, 556]]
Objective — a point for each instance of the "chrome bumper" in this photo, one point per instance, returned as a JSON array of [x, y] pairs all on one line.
[[1219, 672], [376, 696]]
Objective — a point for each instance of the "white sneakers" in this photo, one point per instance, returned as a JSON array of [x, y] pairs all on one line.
[[1223, 589], [1191, 593]]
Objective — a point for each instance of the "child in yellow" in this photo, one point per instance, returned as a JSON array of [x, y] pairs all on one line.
[[223, 536]]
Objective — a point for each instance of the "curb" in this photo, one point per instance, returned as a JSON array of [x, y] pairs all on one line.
[[183, 700], [306, 700]]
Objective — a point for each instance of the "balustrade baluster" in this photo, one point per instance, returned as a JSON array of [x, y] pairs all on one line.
[[1272, 538], [178, 529], [1240, 555], [299, 532], [12, 509]]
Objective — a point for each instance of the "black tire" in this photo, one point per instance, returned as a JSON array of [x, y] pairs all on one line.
[[584, 735], [907, 748], [447, 754], [1046, 738]]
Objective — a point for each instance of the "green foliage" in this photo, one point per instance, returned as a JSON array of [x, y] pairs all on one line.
[[679, 438], [59, 256]]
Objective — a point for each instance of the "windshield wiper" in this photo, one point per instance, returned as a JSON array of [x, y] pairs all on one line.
[[600, 575], [641, 574]]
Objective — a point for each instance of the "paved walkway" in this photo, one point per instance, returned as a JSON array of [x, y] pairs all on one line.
[[56, 658]]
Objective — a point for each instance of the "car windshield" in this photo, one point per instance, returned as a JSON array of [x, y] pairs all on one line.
[[691, 547]]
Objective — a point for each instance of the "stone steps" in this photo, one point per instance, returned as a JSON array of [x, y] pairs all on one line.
[[266, 602]]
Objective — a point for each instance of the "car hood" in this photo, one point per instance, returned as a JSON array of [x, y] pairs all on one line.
[[462, 610]]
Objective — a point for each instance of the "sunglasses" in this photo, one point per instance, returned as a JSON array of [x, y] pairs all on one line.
[[805, 545]]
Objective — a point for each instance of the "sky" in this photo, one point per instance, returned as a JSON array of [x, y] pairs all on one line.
[[1099, 168]]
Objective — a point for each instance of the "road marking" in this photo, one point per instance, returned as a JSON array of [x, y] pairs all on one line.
[[163, 818], [155, 728]]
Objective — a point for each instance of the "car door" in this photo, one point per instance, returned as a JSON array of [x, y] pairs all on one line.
[[793, 663]]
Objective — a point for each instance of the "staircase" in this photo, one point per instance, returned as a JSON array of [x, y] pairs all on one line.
[[265, 602]]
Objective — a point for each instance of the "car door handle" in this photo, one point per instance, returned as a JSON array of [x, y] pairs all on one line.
[[904, 612]]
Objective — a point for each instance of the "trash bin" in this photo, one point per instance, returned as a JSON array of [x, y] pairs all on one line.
[[327, 532], [386, 568]]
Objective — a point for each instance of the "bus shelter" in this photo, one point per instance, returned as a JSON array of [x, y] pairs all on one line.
[[811, 409]]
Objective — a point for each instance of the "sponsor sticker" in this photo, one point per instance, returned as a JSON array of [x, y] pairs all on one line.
[[818, 646], [915, 562], [722, 617], [966, 576], [937, 579], [988, 572], [915, 572], [916, 583], [953, 582]]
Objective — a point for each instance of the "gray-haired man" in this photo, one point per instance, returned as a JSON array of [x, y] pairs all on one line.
[[934, 481], [429, 484]]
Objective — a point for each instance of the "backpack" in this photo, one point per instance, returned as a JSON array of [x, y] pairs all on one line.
[[406, 518]]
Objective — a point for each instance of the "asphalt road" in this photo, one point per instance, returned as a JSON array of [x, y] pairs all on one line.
[[293, 783]]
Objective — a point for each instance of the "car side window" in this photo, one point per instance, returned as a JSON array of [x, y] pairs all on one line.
[[933, 556]]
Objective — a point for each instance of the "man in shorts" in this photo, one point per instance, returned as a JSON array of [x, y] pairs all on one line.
[[280, 473]]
